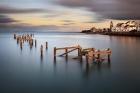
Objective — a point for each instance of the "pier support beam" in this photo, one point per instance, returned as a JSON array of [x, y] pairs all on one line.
[[66, 51], [108, 57], [55, 53], [87, 58], [98, 55], [46, 45], [41, 50], [14, 36], [21, 45], [35, 43]]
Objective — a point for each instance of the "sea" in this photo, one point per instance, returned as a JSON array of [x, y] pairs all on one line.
[[25, 71]]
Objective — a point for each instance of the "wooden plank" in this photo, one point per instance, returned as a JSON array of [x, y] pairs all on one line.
[[65, 48], [68, 52], [102, 52]]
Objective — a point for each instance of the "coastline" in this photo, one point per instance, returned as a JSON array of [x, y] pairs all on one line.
[[135, 34]]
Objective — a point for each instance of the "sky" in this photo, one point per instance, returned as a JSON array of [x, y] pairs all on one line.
[[66, 15]]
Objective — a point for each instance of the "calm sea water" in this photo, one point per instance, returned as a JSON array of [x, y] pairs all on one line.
[[23, 71]]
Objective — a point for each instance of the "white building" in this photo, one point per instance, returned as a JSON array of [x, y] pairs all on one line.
[[127, 27]]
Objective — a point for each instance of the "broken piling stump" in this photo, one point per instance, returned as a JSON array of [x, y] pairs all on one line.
[[41, 50], [55, 54], [46, 45], [35, 43], [14, 36]]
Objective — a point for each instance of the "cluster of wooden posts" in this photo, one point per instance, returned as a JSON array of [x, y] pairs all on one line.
[[91, 54], [29, 38], [21, 39]]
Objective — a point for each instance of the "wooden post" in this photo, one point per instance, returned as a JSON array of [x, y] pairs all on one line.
[[78, 50], [20, 44], [17, 40], [98, 55], [108, 54], [14, 36], [66, 50], [35, 43], [30, 43], [93, 49], [54, 53], [80, 54], [41, 50], [46, 45], [87, 58]]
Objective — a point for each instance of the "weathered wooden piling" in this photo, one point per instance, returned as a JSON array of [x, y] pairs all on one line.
[[93, 50], [98, 55], [41, 50], [87, 58], [46, 45], [80, 54], [17, 40], [21, 44], [31, 43], [55, 53], [14, 36], [66, 50], [79, 51], [108, 57], [35, 43]]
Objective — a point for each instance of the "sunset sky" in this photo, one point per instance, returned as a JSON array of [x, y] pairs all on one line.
[[67, 15]]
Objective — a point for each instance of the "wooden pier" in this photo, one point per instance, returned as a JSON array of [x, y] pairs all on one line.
[[91, 54], [95, 55], [68, 50]]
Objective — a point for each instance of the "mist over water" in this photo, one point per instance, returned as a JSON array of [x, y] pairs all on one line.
[[24, 71]]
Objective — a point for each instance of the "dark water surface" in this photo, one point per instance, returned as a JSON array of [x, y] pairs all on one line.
[[22, 71]]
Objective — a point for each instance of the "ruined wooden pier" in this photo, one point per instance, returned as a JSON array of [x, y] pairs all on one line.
[[90, 53]]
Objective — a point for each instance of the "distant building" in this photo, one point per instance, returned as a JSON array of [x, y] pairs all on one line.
[[93, 29], [111, 25], [126, 27]]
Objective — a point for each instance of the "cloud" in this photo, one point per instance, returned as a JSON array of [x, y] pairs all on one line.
[[73, 3], [29, 26], [52, 14], [49, 27], [111, 9], [6, 20], [67, 21], [68, 24], [12, 10]]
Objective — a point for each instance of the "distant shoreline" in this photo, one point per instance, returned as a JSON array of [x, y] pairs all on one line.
[[136, 34]]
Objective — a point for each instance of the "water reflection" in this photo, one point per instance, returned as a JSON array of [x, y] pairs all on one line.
[[61, 73], [21, 47], [87, 69], [95, 67], [41, 58], [66, 59], [41, 63]]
